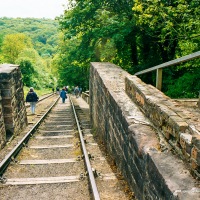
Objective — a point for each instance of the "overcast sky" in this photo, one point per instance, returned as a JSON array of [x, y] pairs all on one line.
[[32, 8]]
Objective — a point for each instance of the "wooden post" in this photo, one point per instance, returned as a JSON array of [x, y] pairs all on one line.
[[159, 79]]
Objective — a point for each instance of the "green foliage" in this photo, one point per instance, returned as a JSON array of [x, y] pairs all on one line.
[[42, 31], [30, 53], [187, 86], [13, 45], [27, 71], [93, 33], [32, 45], [134, 35]]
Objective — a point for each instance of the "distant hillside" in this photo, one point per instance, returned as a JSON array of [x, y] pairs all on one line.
[[43, 32]]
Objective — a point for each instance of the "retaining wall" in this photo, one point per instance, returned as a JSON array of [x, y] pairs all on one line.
[[151, 169]]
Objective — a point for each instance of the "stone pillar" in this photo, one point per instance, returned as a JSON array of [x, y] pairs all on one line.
[[13, 105], [2, 126]]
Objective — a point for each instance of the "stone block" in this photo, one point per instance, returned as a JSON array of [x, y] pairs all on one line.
[[135, 172], [196, 140], [5, 84], [178, 125], [167, 131], [195, 154], [194, 164], [8, 110], [8, 93], [185, 142]]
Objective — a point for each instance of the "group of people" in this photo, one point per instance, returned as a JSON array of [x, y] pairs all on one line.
[[32, 97], [75, 90], [63, 94]]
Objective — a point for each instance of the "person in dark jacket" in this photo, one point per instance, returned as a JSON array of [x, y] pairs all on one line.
[[63, 95], [32, 98]]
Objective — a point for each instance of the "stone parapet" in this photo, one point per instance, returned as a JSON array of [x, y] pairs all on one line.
[[170, 118], [132, 140], [2, 125], [13, 105]]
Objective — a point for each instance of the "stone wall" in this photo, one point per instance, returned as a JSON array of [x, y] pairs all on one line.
[[13, 106], [131, 139]]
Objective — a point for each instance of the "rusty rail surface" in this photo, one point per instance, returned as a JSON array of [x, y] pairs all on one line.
[[86, 157]]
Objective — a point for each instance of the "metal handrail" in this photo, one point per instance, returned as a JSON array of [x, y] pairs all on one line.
[[167, 64]]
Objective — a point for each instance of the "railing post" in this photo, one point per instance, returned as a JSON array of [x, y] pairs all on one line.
[[167, 64], [159, 79]]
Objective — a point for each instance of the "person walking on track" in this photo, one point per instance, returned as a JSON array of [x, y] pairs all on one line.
[[76, 91], [32, 98], [63, 95]]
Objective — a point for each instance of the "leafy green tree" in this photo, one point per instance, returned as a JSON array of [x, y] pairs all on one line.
[[27, 70], [30, 53], [167, 30], [1, 41], [97, 32], [168, 24], [13, 45]]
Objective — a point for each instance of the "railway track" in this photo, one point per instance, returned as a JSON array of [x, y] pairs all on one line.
[[59, 159]]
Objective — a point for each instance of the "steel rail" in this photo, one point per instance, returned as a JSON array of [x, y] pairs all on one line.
[[87, 161], [9, 157]]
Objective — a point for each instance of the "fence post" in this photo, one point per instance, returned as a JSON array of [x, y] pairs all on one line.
[[159, 79]]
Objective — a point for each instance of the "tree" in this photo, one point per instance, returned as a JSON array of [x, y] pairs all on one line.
[[13, 45], [133, 34], [168, 30], [27, 70], [97, 32]]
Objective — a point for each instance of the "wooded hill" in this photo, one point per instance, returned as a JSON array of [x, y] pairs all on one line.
[[43, 32], [32, 43]]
